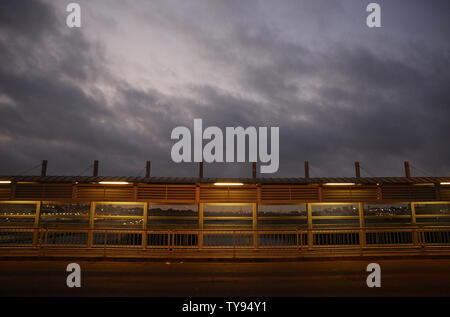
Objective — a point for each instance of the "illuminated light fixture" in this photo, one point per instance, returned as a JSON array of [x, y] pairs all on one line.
[[445, 183], [228, 184], [339, 184], [5, 182], [114, 183]]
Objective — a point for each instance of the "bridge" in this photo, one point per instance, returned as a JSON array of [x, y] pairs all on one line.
[[158, 217]]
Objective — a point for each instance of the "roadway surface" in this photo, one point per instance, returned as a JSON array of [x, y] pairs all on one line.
[[412, 277]]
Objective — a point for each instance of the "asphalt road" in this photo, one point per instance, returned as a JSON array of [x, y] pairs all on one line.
[[430, 277]]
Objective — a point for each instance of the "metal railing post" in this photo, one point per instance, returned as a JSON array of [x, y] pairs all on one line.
[[362, 237], [200, 226], [362, 224], [36, 224], [255, 225], [173, 241], [91, 225], [144, 223], [45, 237], [414, 223], [309, 232]]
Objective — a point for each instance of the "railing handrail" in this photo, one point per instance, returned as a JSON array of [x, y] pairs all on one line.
[[171, 239]]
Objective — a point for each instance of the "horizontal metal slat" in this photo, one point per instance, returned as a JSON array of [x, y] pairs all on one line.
[[166, 192], [5, 192], [228, 194], [408, 192], [288, 193], [43, 191]]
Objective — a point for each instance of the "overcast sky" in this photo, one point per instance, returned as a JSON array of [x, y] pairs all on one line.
[[114, 89]]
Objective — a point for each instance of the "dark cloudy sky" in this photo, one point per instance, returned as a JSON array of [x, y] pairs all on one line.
[[114, 89]]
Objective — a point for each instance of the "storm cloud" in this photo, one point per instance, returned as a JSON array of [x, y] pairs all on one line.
[[114, 89]]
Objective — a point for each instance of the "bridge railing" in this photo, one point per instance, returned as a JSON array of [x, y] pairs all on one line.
[[17, 237], [291, 239], [62, 238], [434, 236]]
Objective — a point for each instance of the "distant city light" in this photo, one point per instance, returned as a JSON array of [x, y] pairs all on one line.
[[114, 183], [228, 184], [339, 184]]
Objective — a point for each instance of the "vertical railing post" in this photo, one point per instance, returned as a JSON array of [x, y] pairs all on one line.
[[144, 226], [302, 241], [413, 214], [362, 233], [200, 226], [45, 237], [422, 237], [169, 240], [91, 224], [414, 223], [36, 224], [310, 225], [255, 225], [41, 234], [172, 241]]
